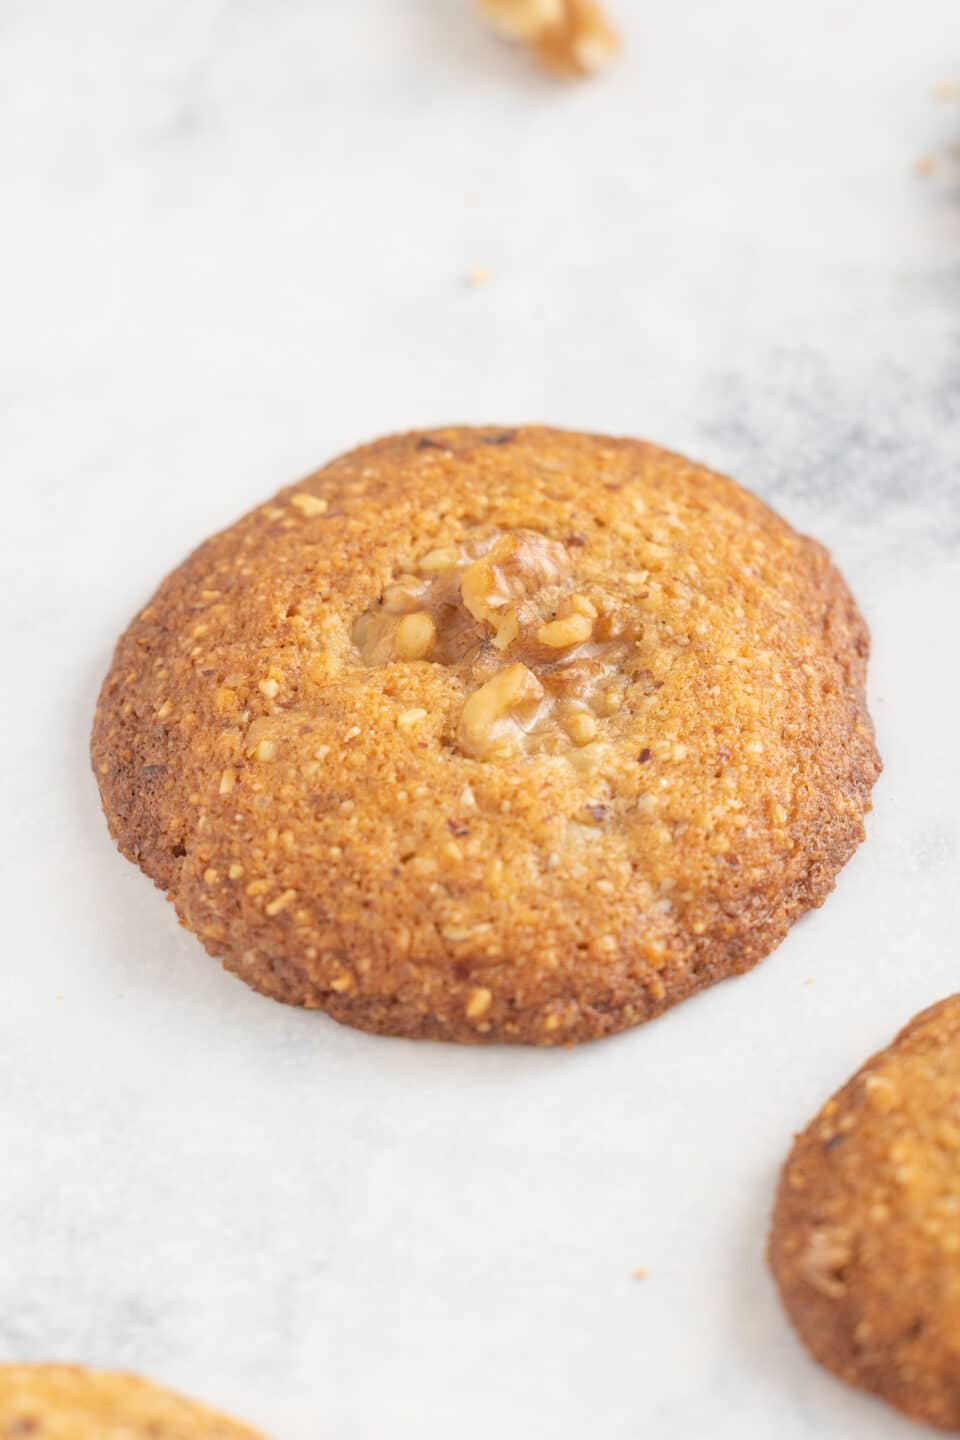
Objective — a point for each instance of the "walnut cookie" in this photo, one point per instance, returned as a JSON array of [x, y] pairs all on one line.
[[865, 1242], [488, 734], [66, 1402]]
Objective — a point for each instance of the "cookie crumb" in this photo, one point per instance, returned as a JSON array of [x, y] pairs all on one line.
[[640, 1272], [309, 505]]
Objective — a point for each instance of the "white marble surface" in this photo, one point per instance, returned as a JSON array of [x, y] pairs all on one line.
[[234, 239]]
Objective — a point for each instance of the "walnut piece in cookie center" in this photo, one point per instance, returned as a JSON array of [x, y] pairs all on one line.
[[542, 660]]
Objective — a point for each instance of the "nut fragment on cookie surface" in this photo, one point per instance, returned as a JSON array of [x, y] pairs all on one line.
[[415, 635], [865, 1239], [478, 1002], [489, 710], [480, 755], [563, 634], [309, 504], [68, 1402], [407, 719]]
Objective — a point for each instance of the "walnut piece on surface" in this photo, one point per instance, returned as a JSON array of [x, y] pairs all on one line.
[[568, 37]]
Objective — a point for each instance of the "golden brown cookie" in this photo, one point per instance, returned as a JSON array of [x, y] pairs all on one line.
[[865, 1244], [493, 734], [66, 1402]]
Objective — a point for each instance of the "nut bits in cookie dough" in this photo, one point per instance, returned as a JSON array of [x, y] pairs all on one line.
[[493, 734], [865, 1242], [66, 1402]]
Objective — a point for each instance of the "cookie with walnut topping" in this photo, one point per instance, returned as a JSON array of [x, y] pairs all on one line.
[[66, 1402], [493, 735], [865, 1243]]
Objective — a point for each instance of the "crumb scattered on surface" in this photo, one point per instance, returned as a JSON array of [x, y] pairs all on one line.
[[478, 277], [948, 90], [640, 1273], [925, 164]]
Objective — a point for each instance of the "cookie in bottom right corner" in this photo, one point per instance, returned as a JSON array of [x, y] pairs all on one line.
[[865, 1239]]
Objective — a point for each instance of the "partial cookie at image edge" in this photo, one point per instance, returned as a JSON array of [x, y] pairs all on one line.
[[70, 1402], [864, 1243]]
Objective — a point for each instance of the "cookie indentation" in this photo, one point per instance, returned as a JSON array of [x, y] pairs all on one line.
[[543, 662]]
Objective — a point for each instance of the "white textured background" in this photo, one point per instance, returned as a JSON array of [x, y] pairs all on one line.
[[233, 240]]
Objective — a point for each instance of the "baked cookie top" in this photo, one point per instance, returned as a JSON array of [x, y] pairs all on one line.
[[67, 1402], [865, 1244], [505, 734]]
